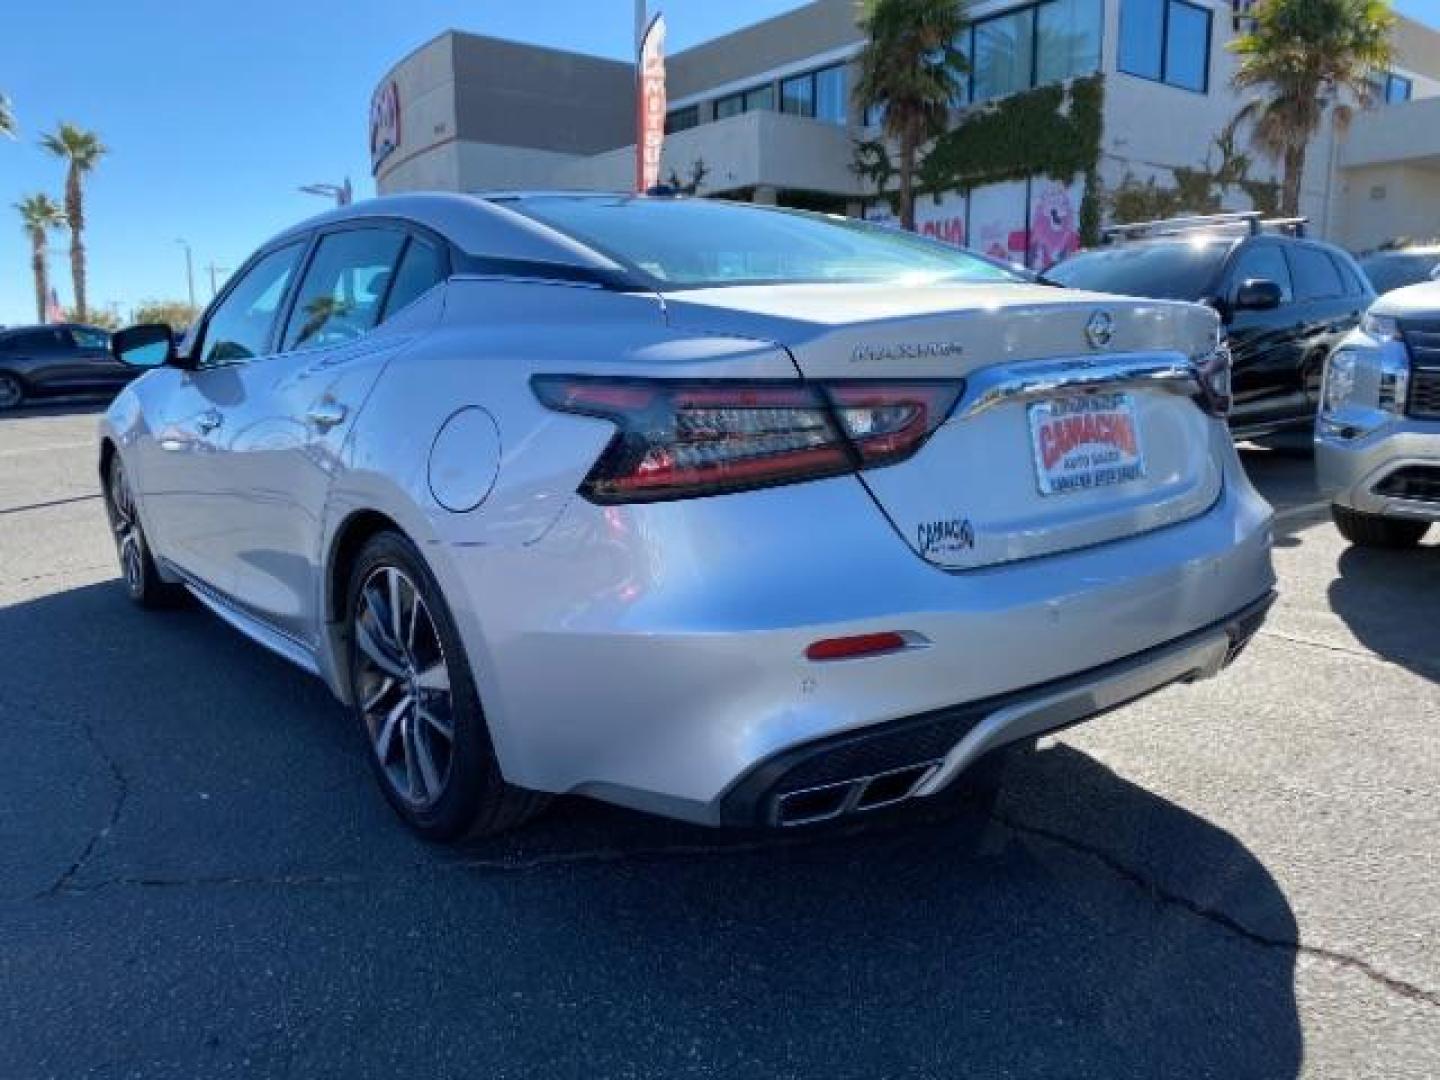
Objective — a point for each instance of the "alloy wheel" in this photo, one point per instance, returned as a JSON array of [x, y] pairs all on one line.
[[127, 531], [10, 392], [403, 686]]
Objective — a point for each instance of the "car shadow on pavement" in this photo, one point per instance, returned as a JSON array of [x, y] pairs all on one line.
[[69, 406], [1375, 584], [185, 802]]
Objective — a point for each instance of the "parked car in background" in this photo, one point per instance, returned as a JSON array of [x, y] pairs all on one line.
[[61, 359], [1377, 441], [1284, 301], [743, 515], [1408, 264]]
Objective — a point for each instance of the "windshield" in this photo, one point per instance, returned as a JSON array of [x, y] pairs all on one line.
[[1179, 270], [1396, 270], [691, 243]]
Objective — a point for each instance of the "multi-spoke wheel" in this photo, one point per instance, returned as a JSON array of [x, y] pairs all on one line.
[[12, 392], [404, 686], [417, 701], [137, 568]]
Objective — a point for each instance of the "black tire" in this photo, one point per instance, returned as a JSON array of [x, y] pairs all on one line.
[[12, 392], [138, 573], [1372, 530], [471, 797]]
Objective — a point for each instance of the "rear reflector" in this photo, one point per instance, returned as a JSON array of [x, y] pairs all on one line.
[[846, 648], [683, 438]]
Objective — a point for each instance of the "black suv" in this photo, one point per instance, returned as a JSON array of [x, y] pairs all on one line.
[[60, 359], [1284, 300], [1401, 265]]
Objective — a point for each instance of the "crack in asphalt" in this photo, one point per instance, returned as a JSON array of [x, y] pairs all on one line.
[[598, 856], [47, 505], [1346, 650], [1220, 918], [117, 807]]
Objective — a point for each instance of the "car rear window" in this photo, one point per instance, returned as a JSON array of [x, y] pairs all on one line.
[[695, 243], [1165, 270]]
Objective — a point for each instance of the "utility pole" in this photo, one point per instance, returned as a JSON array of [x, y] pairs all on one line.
[[189, 271]]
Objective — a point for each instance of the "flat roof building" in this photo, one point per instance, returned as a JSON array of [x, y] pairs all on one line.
[[1138, 90]]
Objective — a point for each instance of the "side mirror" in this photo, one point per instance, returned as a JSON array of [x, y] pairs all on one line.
[[150, 345], [1258, 294]]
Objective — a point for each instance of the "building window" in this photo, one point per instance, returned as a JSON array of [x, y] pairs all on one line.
[[1003, 55], [1030, 46], [1397, 89], [1067, 41], [759, 97], [832, 102], [1168, 41], [818, 94], [682, 119]]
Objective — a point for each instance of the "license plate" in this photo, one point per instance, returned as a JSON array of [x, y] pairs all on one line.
[[1085, 442]]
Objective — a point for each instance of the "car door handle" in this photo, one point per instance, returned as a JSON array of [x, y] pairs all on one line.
[[208, 421], [325, 414]]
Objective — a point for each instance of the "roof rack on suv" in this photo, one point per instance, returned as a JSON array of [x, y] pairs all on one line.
[[1252, 220]]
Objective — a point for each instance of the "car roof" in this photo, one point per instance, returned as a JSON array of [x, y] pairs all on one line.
[[7, 331], [476, 224]]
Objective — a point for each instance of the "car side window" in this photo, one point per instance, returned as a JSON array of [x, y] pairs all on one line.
[[1315, 275], [421, 268], [90, 339], [1353, 285], [39, 343], [1265, 262], [342, 292], [239, 329]]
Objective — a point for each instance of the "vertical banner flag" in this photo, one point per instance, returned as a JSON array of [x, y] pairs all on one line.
[[650, 106]]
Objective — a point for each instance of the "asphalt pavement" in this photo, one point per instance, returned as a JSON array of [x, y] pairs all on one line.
[[198, 878]]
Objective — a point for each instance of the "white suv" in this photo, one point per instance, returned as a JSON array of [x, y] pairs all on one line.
[[1377, 444]]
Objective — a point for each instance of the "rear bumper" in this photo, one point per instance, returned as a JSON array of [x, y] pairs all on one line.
[[654, 655], [920, 756], [1368, 473]]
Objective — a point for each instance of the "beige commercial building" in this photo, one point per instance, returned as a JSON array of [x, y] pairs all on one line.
[[769, 112]]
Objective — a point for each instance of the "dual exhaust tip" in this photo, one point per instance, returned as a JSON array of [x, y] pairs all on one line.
[[826, 802]]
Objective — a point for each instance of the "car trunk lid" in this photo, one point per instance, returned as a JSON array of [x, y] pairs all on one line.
[[1077, 426]]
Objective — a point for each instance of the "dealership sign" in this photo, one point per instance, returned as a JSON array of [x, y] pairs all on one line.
[[384, 123], [650, 106]]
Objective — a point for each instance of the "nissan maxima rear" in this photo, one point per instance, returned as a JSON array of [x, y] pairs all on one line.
[[736, 514]]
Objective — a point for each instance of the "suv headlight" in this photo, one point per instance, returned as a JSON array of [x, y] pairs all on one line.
[[1339, 388]]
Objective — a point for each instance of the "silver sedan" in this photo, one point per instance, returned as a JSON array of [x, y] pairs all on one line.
[[737, 514]]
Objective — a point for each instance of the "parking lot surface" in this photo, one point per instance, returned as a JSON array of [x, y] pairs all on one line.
[[199, 878]]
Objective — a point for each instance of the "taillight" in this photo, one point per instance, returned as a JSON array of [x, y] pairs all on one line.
[[681, 438]]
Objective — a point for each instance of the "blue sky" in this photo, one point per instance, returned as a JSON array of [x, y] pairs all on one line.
[[216, 111]]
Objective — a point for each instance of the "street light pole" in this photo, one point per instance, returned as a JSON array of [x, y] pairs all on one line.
[[343, 194], [189, 271]]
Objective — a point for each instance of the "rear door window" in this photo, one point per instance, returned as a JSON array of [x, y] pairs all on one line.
[[1263, 262], [39, 343], [1316, 277], [345, 287]]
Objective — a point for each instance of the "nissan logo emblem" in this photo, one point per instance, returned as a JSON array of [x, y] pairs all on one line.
[[1100, 329]]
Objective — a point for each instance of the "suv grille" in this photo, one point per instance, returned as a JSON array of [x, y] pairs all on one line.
[[1422, 338]]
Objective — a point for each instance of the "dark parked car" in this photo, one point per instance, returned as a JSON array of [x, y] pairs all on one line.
[[1285, 301], [1397, 267], [59, 360]]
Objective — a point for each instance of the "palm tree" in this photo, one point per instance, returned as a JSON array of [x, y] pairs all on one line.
[[7, 117], [1306, 55], [82, 151], [40, 214], [912, 70]]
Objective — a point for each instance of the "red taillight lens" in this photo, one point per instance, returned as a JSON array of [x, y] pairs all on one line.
[[848, 648], [683, 438]]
